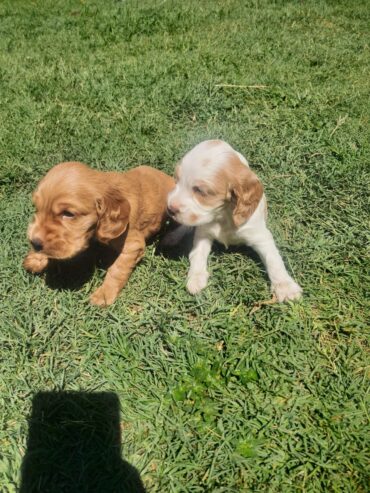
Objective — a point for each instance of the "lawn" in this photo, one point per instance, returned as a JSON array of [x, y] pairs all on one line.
[[220, 392]]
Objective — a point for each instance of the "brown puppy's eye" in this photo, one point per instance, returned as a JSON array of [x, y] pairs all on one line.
[[67, 214], [199, 191]]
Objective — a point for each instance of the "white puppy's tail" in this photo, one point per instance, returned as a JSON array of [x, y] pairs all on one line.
[[175, 236]]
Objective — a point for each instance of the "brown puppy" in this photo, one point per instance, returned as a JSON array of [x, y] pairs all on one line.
[[75, 203]]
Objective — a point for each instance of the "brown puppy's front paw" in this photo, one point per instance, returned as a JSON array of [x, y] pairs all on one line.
[[35, 262], [103, 296]]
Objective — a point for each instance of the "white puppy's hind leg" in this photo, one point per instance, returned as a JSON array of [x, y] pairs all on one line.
[[198, 274], [282, 285]]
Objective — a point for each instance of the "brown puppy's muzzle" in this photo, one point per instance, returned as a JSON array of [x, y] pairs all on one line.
[[36, 244], [58, 244]]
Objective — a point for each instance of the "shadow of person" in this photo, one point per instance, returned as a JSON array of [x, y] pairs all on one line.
[[74, 446], [72, 274]]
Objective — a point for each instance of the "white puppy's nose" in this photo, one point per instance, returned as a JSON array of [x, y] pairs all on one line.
[[173, 209]]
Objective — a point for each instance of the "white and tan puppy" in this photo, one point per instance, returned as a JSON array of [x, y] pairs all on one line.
[[218, 194]]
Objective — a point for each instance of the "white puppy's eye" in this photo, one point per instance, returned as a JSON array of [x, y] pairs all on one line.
[[199, 191], [67, 214]]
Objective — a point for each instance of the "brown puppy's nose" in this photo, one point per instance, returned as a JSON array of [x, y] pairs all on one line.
[[37, 244], [172, 210]]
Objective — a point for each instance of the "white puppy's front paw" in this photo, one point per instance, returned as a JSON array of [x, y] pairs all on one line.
[[197, 282], [287, 290]]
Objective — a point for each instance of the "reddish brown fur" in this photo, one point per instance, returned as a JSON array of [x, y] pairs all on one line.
[[120, 209]]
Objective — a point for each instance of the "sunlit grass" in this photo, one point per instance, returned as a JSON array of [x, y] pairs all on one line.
[[219, 393]]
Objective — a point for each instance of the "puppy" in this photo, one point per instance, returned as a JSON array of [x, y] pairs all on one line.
[[75, 204], [218, 193]]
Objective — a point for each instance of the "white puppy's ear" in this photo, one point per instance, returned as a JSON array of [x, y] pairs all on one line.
[[246, 192]]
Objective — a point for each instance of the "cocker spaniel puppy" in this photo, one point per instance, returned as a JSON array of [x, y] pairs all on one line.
[[75, 204], [217, 192]]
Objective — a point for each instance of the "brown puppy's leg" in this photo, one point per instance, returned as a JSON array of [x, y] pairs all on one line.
[[119, 273], [35, 262]]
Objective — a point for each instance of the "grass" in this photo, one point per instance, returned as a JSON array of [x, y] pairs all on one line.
[[218, 393]]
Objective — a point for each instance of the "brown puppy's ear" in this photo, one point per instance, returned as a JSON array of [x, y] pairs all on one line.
[[246, 192], [113, 213]]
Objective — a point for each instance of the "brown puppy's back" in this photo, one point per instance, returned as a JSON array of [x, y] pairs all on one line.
[[146, 190]]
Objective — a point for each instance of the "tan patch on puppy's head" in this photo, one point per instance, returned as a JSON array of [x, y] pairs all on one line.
[[244, 190], [210, 193]]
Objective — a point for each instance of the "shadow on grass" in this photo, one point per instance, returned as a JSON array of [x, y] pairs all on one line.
[[180, 249], [74, 446], [219, 250], [183, 248], [245, 250], [74, 273]]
